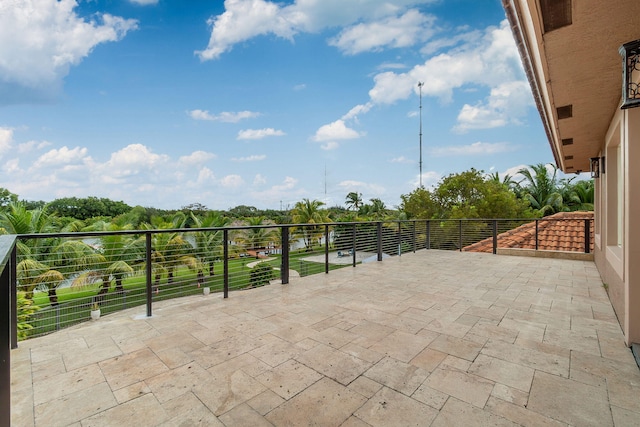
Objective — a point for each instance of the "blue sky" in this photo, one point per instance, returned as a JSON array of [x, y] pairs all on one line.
[[164, 103]]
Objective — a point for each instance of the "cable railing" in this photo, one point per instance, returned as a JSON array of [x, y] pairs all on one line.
[[62, 278]]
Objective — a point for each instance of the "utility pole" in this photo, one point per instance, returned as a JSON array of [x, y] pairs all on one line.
[[420, 84]]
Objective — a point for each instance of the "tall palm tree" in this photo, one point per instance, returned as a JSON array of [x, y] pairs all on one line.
[[209, 245], [578, 196], [115, 254], [309, 212], [541, 188], [257, 238], [354, 200]]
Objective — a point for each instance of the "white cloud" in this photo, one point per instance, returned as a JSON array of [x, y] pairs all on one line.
[[504, 105], [245, 19], [196, 158], [63, 156], [357, 110], [489, 60], [401, 159], [394, 32], [226, 117], [254, 158], [335, 131], [259, 133], [474, 149], [30, 146], [144, 2], [301, 86], [232, 181], [286, 192], [329, 145], [41, 39], [6, 140], [133, 160], [370, 190], [259, 180]]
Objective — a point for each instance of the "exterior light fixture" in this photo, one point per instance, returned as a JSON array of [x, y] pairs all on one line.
[[596, 166], [630, 74]]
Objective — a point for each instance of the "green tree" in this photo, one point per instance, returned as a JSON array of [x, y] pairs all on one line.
[[309, 212], [578, 196], [88, 207], [209, 245], [468, 194], [7, 197], [354, 201], [418, 204], [541, 188]]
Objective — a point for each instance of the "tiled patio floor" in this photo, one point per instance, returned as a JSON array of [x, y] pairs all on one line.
[[432, 338]]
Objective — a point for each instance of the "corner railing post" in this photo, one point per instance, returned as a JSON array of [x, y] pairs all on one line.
[[284, 266], [399, 238], [428, 234], [149, 271], [326, 249], [460, 235], [6, 247], [587, 236], [379, 239], [14, 296], [536, 234], [495, 236], [225, 261]]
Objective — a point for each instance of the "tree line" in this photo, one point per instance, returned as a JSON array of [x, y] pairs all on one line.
[[468, 194]]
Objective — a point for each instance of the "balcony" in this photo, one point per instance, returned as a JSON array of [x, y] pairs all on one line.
[[429, 337]]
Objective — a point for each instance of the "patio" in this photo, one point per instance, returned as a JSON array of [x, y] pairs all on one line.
[[429, 338]]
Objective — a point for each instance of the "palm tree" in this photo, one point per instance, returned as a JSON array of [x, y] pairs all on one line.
[[354, 200], [541, 188], [578, 196], [309, 212], [209, 245], [115, 255], [259, 237]]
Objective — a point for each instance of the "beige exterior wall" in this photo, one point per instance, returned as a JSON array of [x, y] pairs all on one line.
[[617, 242]]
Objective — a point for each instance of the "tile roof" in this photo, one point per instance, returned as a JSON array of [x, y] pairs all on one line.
[[563, 231]]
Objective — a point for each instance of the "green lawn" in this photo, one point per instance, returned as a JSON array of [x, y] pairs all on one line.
[[75, 303]]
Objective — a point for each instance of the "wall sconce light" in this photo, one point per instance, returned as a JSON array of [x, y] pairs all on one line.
[[596, 166], [630, 74]]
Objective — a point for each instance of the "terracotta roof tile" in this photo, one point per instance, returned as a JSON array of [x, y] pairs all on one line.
[[563, 231]]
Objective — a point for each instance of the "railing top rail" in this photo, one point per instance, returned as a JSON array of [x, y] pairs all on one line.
[[7, 243], [245, 227]]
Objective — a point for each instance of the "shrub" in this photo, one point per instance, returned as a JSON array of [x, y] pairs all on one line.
[[261, 274], [26, 309]]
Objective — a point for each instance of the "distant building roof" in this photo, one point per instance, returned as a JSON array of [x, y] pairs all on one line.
[[563, 231]]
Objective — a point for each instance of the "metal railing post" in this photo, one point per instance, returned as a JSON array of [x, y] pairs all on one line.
[[7, 246], [495, 236], [379, 239], [460, 236], [149, 272], [536, 234], [225, 261], [14, 296], [326, 249], [587, 236], [414, 237], [284, 266], [399, 238], [428, 234], [353, 245]]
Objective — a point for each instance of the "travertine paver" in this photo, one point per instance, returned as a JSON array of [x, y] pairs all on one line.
[[428, 339]]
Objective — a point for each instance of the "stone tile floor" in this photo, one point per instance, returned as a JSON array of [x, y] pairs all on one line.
[[427, 339]]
